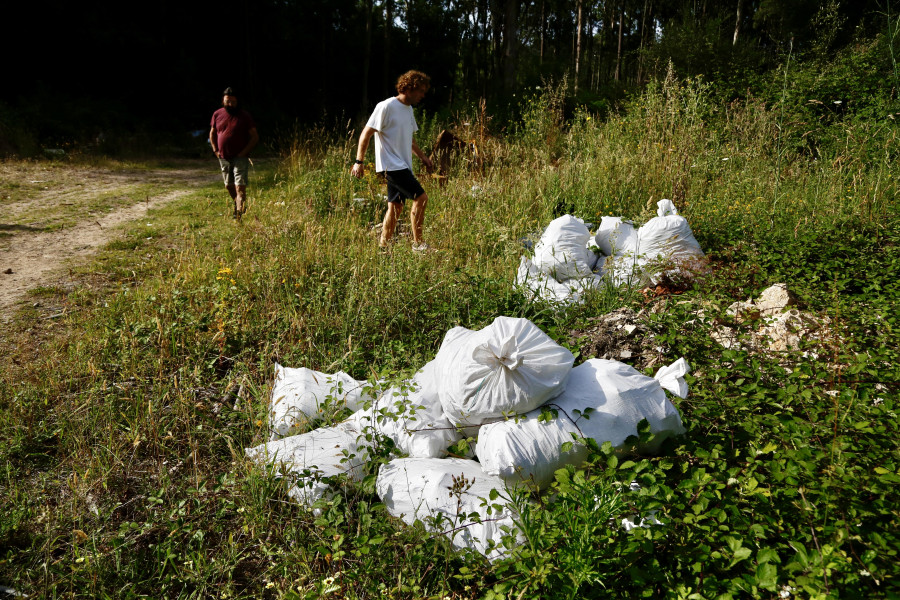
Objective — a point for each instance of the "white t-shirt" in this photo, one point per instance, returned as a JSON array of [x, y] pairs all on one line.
[[395, 125]]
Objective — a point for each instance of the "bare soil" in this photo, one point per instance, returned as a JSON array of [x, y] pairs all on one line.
[[54, 215]]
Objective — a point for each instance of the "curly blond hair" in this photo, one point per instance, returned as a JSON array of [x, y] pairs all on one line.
[[412, 80]]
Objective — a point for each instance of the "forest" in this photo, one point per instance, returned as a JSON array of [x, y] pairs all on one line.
[[77, 71]]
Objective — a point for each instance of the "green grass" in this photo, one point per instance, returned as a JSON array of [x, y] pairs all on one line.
[[122, 471]]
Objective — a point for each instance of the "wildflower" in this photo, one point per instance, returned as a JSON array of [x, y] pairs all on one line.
[[270, 585], [224, 271], [328, 581], [786, 591]]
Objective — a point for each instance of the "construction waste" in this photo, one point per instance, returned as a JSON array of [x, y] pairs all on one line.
[[508, 385], [567, 260], [772, 325]]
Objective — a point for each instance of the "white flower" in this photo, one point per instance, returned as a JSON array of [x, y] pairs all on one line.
[[786, 591]]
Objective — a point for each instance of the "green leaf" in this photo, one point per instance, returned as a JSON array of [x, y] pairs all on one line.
[[767, 555], [767, 576], [741, 554], [734, 543]]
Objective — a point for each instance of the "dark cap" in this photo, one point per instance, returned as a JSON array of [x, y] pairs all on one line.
[[229, 92]]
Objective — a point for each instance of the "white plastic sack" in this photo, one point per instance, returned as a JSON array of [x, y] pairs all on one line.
[[424, 489], [412, 416], [593, 253], [324, 452], [509, 367], [562, 250], [604, 400], [299, 395], [548, 289], [615, 236], [667, 236], [625, 269]]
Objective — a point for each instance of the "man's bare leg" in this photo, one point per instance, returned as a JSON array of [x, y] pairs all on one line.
[[232, 191], [240, 201], [390, 222], [417, 216]]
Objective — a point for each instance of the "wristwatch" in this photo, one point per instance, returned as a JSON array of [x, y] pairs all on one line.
[[359, 162]]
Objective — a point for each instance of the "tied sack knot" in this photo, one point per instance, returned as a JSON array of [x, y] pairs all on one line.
[[493, 355]]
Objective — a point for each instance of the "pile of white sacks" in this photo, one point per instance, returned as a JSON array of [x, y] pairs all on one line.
[[568, 260], [493, 384]]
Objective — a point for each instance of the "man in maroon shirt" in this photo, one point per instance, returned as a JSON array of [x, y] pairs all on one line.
[[233, 135]]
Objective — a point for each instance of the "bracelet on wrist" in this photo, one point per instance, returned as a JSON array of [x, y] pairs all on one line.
[[358, 162]]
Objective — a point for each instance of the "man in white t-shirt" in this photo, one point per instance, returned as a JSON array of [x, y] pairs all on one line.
[[393, 125]]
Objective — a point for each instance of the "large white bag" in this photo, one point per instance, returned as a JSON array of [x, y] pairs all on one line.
[[550, 290], [300, 395], [312, 456], [509, 367], [412, 416], [443, 494], [562, 250], [615, 236], [667, 237], [604, 400]]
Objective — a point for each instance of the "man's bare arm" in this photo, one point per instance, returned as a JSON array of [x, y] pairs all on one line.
[[418, 152], [212, 142], [359, 168]]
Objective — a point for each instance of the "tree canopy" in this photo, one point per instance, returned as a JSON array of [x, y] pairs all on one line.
[[77, 68]]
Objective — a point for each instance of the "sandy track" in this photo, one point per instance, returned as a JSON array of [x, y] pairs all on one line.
[[30, 258]]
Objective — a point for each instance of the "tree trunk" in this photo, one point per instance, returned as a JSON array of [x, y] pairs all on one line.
[[496, 38], [543, 28], [578, 44], [644, 15], [619, 51], [737, 22], [366, 59], [511, 44], [388, 28]]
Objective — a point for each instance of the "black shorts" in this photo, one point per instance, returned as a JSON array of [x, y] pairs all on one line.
[[402, 185]]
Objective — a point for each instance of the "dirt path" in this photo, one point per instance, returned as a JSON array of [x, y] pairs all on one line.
[[53, 215]]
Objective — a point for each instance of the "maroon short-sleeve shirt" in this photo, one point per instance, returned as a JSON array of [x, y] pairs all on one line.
[[232, 131]]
